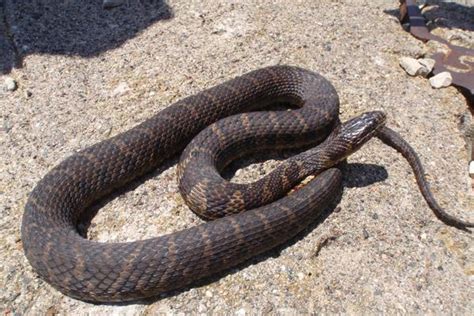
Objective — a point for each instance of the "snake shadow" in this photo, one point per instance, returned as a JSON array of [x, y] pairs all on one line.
[[354, 175], [72, 28]]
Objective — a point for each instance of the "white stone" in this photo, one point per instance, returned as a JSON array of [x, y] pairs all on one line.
[[471, 169], [411, 65], [10, 84], [441, 80], [427, 66]]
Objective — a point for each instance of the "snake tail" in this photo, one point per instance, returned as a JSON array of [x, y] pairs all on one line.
[[394, 140]]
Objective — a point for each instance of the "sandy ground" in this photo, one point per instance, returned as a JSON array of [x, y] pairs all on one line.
[[88, 74]]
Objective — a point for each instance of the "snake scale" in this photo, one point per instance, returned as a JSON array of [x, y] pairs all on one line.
[[116, 272]]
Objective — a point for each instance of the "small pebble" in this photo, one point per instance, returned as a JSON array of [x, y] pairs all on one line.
[[10, 84], [410, 65], [427, 66], [441, 80], [471, 169]]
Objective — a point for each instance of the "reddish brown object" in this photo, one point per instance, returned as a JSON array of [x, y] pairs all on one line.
[[459, 61]]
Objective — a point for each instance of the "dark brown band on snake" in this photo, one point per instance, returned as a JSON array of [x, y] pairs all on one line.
[[111, 272]]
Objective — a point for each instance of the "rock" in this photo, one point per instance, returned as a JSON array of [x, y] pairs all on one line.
[[441, 80], [121, 89], [414, 67], [10, 84], [471, 169], [410, 65], [427, 66], [109, 4]]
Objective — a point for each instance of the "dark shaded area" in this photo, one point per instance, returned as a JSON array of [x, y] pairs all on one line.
[[77, 28], [357, 175], [9, 56]]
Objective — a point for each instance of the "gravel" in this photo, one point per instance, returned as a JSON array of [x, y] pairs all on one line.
[[89, 74]]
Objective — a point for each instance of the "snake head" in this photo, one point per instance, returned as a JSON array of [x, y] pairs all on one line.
[[347, 138], [357, 131]]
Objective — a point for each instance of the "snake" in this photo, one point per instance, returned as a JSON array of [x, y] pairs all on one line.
[[209, 129]]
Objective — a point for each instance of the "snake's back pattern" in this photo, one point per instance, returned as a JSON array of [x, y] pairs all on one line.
[[95, 271]]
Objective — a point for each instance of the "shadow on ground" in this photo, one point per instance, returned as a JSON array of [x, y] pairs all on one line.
[[67, 27]]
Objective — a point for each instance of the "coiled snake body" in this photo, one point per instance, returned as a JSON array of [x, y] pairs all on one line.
[[111, 272]]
